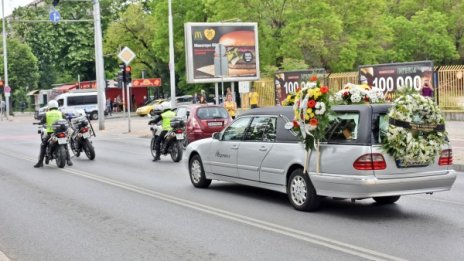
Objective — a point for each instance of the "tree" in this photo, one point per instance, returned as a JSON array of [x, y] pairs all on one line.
[[23, 72], [424, 37]]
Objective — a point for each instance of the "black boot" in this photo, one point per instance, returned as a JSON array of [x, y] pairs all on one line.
[[157, 156], [39, 163]]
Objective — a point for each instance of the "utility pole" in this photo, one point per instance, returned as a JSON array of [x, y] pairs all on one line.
[[5, 62], [99, 65], [172, 73]]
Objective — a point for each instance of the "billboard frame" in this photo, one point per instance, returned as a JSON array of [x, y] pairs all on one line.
[[189, 53]]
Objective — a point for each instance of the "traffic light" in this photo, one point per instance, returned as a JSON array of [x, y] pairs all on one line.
[[128, 74], [121, 75]]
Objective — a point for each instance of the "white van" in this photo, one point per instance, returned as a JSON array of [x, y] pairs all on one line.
[[86, 100]]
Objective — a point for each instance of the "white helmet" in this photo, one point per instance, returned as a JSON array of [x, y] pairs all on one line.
[[166, 106], [158, 107], [79, 113], [52, 104]]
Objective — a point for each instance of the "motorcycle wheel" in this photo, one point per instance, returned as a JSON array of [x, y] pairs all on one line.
[[152, 147], [60, 156], [73, 145], [185, 143], [88, 149], [176, 151]]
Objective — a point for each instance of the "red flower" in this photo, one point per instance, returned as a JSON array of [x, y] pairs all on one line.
[[297, 89], [366, 99], [324, 89], [346, 93], [313, 122], [311, 103], [295, 124], [313, 78]]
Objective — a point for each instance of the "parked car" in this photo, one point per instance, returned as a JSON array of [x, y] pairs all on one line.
[[257, 150], [148, 107], [180, 100], [203, 120]]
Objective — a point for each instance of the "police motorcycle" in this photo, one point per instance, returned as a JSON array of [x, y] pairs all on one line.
[[173, 140], [82, 131], [57, 142]]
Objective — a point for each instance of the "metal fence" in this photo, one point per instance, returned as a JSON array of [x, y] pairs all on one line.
[[449, 94], [451, 87]]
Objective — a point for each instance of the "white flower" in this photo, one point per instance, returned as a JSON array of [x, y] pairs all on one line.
[[355, 98], [320, 108]]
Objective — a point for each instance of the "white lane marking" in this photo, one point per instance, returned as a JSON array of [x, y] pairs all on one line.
[[3, 257], [287, 231]]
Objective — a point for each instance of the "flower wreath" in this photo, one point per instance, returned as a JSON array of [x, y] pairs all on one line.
[[311, 107], [353, 94], [416, 129]]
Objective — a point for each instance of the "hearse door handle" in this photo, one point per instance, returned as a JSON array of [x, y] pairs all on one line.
[[234, 147], [263, 148]]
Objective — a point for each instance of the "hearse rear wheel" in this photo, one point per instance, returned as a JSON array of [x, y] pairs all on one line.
[[386, 200]]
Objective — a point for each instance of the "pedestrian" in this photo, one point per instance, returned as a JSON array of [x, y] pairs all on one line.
[[22, 106], [254, 98], [3, 109], [230, 105], [195, 98], [108, 106], [202, 100], [427, 90]]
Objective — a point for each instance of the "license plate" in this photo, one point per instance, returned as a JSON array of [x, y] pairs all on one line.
[[179, 136], [85, 135], [62, 140], [215, 123], [401, 164]]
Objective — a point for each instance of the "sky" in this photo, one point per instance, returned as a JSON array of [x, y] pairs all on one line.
[[10, 5]]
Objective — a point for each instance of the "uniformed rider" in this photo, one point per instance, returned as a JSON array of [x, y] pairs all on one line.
[[51, 116], [165, 117]]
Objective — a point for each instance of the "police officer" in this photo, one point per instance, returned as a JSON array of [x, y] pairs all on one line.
[[51, 116], [165, 117]]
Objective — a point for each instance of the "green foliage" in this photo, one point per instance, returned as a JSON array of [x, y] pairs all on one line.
[[293, 34]]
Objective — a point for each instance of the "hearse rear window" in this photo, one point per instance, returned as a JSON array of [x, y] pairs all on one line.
[[343, 126], [380, 127]]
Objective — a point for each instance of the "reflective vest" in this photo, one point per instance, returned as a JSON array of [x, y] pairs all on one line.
[[167, 117], [51, 117]]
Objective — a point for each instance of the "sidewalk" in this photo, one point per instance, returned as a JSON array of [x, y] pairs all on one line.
[[117, 125]]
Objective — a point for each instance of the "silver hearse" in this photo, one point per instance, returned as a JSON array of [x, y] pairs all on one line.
[[257, 150]]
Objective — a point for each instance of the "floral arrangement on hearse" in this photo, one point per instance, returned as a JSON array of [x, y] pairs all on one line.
[[358, 94], [311, 107], [416, 130]]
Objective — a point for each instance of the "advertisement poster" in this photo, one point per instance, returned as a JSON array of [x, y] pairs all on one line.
[[388, 77], [287, 82], [218, 52]]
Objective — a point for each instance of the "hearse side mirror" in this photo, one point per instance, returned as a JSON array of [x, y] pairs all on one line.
[[217, 136]]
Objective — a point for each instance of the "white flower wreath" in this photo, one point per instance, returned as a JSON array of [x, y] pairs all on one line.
[[416, 130]]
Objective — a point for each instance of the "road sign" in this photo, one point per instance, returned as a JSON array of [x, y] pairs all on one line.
[[55, 16], [126, 55], [7, 89]]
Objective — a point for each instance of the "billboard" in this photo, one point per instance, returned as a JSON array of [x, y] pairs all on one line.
[[218, 52], [388, 77], [287, 82]]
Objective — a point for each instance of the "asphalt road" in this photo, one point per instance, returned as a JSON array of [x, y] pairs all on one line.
[[123, 206]]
